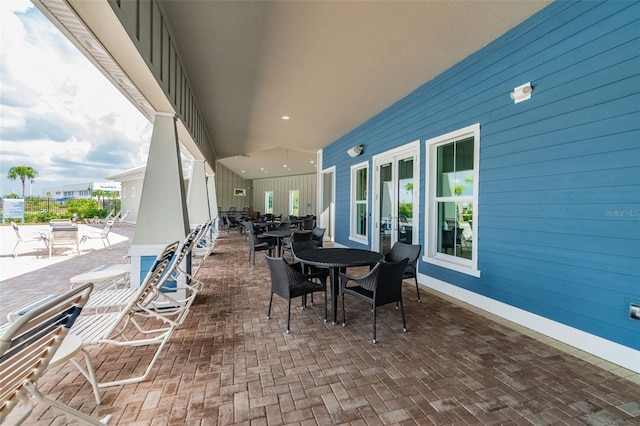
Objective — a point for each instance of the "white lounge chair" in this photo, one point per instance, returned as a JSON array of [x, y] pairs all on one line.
[[40, 237], [103, 235], [28, 346], [138, 324], [119, 219], [178, 288], [203, 247]]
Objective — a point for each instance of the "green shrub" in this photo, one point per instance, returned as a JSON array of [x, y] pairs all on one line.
[[45, 217], [84, 208]]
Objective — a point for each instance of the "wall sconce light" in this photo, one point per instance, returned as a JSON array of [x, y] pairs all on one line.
[[354, 151], [521, 93]]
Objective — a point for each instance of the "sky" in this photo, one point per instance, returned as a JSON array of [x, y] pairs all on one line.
[[58, 113]]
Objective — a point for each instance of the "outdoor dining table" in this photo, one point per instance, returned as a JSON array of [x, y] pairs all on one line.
[[336, 259], [278, 234], [110, 272], [265, 225], [63, 234]]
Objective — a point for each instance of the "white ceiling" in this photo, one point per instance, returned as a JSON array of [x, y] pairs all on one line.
[[328, 65]]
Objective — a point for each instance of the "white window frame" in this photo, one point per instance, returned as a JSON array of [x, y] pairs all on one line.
[[123, 194], [431, 254], [353, 223], [266, 202], [292, 193]]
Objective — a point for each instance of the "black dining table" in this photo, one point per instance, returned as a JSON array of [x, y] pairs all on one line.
[[335, 259], [278, 234]]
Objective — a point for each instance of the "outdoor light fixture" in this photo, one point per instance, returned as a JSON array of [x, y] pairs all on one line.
[[355, 151], [521, 93]]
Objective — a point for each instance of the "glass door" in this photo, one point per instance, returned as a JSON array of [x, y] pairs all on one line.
[[396, 184]]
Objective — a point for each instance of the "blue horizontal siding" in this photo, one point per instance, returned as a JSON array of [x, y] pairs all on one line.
[[559, 190]]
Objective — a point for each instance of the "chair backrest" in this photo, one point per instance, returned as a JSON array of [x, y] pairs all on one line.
[[317, 235], [385, 280], [401, 250], [160, 264], [254, 239], [16, 230], [309, 223], [285, 224], [300, 246], [300, 236], [107, 227], [282, 276], [186, 246], [28, 344]]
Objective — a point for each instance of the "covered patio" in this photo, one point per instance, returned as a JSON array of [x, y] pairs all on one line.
[[228, 364]]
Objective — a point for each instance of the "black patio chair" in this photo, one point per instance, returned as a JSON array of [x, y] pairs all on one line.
[[380, 286], [259, 244], [400, 251], [295, 238], [288, 282], [317, 235]]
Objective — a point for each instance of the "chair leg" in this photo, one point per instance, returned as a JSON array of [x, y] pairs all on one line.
[[344, 320], [374, 324], [269, 310], [404, 322], [288, 316], [89, 374], [81, 417], [325, 302], [417, 289]]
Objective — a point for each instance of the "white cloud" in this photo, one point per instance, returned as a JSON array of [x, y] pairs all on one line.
[[58, 113]]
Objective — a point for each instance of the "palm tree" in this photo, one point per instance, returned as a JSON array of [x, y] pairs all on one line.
[[100, 194], [22, 172], [113, 195]]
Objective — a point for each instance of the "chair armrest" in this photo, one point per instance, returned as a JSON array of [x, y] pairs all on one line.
[[13, 315]]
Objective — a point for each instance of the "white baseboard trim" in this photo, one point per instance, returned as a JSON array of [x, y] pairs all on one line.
[[610, 351]]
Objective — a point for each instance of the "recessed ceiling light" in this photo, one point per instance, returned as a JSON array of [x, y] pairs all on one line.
[[262, 168], [311, 161], [243, 171], [285, 117], [284, 165]]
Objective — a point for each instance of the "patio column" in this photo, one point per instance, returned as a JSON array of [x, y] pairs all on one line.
[[162, 217], [213, 200], [197, 196]]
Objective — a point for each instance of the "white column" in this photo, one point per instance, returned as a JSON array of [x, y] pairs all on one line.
[[197, 196], [162, 217], [213, 200]]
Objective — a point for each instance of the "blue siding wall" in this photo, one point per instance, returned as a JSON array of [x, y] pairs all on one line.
[[559, 199]]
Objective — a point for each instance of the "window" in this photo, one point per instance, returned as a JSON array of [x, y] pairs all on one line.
[[268, 202], [359, 204], [452, 194], [133, 192], [294, 202], [124, 192]]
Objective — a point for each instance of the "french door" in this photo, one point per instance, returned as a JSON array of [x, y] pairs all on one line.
[[395, 204]]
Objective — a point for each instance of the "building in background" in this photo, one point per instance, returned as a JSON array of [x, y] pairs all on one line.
[[80, 190]]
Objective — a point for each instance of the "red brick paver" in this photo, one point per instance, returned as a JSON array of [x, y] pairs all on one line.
[[228, 365]]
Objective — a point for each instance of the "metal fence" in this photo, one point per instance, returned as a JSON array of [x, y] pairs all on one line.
[[43, 206]]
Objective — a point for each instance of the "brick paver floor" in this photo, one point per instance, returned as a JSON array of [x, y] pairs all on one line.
[[229, 365]]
